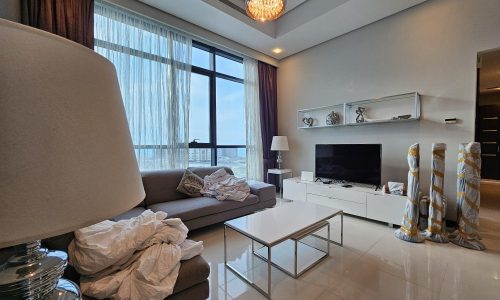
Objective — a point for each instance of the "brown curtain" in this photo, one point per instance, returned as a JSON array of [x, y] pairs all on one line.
[[268, 96], [72, 19]]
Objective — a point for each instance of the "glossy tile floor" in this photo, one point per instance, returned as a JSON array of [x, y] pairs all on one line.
[[373, 264]]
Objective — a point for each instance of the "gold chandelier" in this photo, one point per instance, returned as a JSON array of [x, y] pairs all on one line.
[[265, 10]]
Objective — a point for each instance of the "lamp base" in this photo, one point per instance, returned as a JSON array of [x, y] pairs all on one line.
[[34, 273], [279, 159], [65, 290]]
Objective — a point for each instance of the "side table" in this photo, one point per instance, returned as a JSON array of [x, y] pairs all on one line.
[[280, 173]]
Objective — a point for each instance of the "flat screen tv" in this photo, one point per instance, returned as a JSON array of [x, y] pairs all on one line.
[[360, 163]]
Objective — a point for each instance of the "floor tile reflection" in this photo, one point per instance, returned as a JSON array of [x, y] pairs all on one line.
[[373, 264]]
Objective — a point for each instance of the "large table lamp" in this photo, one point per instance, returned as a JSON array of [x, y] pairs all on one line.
[[66, 155], [279, 143]]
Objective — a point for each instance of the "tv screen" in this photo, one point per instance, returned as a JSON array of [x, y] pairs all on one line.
[[359, 163]]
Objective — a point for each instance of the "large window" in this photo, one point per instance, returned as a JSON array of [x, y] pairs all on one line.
[[153, 65], [217, 110]]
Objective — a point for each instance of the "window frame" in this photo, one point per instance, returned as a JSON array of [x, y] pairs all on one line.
[[213, 75]]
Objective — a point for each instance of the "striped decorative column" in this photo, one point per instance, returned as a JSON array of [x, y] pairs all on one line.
[[461, 170], [436, 230], [468, 197], [409, 225]]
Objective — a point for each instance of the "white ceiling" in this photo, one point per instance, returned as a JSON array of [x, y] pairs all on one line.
[[305, 23]]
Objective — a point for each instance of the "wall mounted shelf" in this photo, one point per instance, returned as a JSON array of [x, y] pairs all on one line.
[[390, 109]]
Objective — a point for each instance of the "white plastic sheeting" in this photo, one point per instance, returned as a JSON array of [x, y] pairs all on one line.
[[436, 230], [409, 230], [224, 186], [468, 197], [138, 258]]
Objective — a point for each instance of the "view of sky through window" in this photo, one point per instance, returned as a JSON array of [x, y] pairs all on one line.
[[227, 145]]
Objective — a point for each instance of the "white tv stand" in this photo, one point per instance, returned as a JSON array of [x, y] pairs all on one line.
[[358, 200]]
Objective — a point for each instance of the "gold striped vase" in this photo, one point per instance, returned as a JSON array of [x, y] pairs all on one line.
[[409, 225], [436, 230], [468, 197]]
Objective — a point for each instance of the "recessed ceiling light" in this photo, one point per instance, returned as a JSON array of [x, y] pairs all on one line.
[[277, 50]]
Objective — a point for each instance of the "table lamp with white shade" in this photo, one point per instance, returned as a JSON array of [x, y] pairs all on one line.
[[67, 156], [279, 143]]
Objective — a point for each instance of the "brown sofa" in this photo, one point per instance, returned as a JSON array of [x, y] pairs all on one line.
[[161, 195]]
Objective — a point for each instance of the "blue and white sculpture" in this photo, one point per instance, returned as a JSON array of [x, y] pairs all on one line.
[[468, 197], [436, 230], [409, 230]]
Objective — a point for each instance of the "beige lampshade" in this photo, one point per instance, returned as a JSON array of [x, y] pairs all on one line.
[[279, 143], [66, 154]]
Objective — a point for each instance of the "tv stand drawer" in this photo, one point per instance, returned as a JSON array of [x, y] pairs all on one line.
[[348, 207], [337, 193], [385, 208], [294, 190]]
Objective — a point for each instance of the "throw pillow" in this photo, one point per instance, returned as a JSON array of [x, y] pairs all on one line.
[[191, 184]]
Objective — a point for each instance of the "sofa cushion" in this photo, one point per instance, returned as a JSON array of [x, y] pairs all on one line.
[[202, 172], [160, 186], [191, 184], [192, 272], [134, 212], [192, 208], [264, 191]]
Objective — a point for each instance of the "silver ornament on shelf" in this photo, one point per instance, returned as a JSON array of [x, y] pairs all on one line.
[[308, 121], [332, 118], [360, 118]]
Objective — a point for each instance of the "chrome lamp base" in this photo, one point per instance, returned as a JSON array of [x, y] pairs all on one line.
[[279, 159], [35, 273]]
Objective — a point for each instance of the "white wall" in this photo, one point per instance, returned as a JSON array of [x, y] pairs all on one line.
[[431, 49]]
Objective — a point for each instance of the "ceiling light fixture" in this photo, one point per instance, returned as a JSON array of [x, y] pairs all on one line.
[[277, 50], [265, 10]]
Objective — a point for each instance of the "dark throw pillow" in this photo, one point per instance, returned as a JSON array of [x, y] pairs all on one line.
[[191, 184]]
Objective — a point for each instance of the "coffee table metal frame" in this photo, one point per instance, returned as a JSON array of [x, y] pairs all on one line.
[[310, 230]]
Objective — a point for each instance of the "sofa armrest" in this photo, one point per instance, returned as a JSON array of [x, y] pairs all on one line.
[[263, 190]]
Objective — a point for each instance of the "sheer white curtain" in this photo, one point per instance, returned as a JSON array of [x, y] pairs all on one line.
[[255, 162], [153, 63]]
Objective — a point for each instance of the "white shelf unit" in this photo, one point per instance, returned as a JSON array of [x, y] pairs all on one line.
[[359, 200], [380, 110], [319, 116]]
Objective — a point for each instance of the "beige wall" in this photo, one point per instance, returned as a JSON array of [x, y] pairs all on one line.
[[10, 10], [431, 49]]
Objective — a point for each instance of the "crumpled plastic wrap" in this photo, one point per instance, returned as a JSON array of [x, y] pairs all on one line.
[[409, 226], [468, 197], [396, 188], [436, 230]]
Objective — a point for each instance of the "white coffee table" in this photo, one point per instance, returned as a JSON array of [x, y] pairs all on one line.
[[292, 221]]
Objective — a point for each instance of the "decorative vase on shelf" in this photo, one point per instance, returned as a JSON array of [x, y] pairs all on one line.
[[333, 118], [360, 118]]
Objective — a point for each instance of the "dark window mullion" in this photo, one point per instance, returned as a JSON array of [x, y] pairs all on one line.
[[229, 77], [200, 145], [202, 46], [213, 111], [201, 71], [230, 146], [228, 55]]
